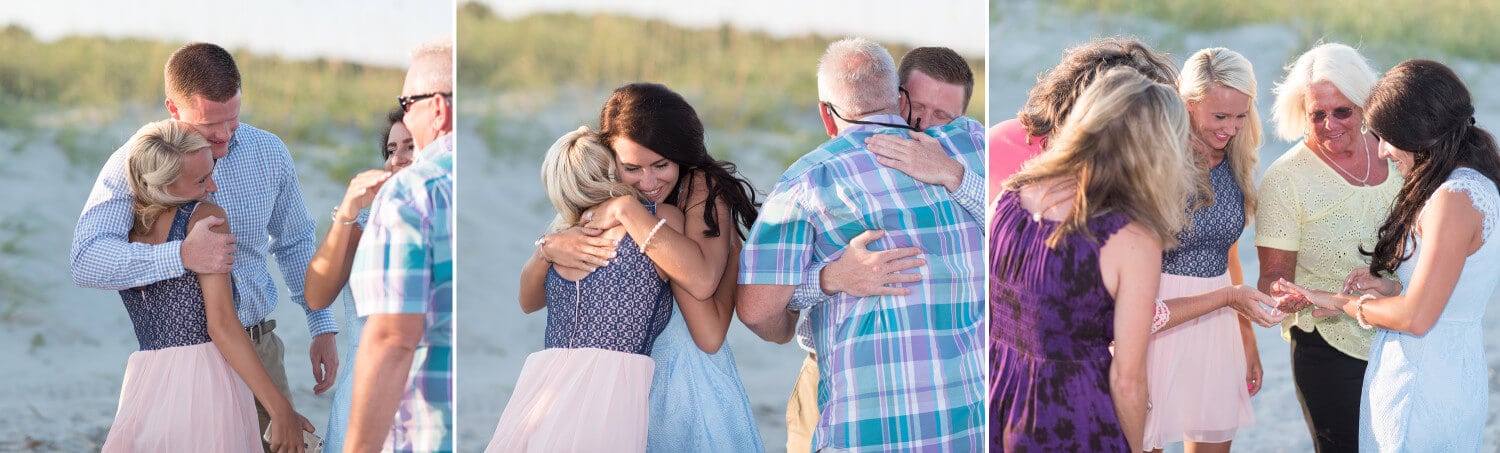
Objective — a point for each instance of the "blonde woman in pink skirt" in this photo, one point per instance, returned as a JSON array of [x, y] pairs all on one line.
[[191, 385], [1202, 365]]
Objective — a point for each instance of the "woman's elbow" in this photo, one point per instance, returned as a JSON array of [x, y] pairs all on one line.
[[710, 345], [1127, 382]]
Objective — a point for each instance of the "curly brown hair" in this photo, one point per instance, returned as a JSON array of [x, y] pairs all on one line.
[[1048, 103]]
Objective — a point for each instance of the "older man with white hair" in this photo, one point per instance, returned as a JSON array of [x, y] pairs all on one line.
[[896, 372], [402, 279]]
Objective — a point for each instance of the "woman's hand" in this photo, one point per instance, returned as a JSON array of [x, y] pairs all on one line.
[[607, 214], [285, 432], [1254, 305], [1363, 282], [1253, 372], [578, 248], [1329, 304], [361, 193]]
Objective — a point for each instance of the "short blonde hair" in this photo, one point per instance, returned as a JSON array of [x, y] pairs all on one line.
[[1227, 68], [579, 173], [157, 152], [1334, 63], [1126, 144], [858, 76], [433, 66]]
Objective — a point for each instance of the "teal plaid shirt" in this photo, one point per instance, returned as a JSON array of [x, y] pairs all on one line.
[[894, 372], [404, 265]]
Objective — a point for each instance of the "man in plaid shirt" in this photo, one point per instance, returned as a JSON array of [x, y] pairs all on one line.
[[402, 279], [896, 372]]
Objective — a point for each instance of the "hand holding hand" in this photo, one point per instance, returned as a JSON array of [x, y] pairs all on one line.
[[1363, 282], [863, 273], [208, 252], [1329, 304], [1255, 305]]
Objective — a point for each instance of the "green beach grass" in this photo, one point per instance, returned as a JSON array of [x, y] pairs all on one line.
[[737, 80], [1459, 28]]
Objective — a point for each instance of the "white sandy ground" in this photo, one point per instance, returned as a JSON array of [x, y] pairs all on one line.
[[1029, 38], [66, 346]]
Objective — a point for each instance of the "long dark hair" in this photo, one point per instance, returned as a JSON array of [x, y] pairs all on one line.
[[391, 118], [1422, 107], [657, 118]]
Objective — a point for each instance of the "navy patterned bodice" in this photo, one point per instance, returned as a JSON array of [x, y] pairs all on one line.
[[620, 307], [1203, 248], [169, 313]]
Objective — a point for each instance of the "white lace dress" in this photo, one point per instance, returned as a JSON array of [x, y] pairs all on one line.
[[1429, 393]]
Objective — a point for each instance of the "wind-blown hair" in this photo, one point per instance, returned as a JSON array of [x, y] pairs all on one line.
[[1126, 144], [1226, 68], [1053, 96], [1334, 63], [1422, 107], [156, 159], [579, 173]]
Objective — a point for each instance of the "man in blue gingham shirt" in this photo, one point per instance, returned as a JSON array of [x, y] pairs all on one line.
[[257, 187], [902, 373]]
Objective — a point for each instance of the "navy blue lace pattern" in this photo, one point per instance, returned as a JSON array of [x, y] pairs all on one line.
[[620, 307], [169, 313], [1203, 247]]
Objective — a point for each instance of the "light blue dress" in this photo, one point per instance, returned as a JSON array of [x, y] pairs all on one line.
[[338, 413], [1429, 393], [697, 401]]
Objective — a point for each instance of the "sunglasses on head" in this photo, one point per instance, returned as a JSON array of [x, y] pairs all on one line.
[[1341, 113]]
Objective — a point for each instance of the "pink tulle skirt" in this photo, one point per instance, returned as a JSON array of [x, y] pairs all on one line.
[[1196, 373], [184, 398], [577, 400]]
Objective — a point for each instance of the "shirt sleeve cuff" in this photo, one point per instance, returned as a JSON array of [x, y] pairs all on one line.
[[810, 292], [321, 321], [970, 194]]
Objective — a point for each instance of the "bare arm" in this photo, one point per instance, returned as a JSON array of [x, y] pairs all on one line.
[[1131, 265], [763, 309], [1253, 370], [691, 259], [230, 339], [1451, 230], [384, 363], [328, 270], [1277, 264], [707, 319]]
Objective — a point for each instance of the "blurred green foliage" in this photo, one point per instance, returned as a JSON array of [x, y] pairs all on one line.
[[735, 79], [1456, 27]]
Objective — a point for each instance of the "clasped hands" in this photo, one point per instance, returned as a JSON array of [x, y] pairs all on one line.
[[1292, 297]]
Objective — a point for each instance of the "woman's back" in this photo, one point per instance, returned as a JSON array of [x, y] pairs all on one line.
[[620, 307]]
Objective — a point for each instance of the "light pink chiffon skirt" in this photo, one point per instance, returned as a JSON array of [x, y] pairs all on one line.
[[1196, 373], [577, 400], [184, 398]]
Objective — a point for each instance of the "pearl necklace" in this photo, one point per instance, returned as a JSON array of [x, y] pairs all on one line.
[[1369, 163]]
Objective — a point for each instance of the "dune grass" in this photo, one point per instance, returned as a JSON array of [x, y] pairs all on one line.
[[737, 80], [1456, 27], [312, 104]]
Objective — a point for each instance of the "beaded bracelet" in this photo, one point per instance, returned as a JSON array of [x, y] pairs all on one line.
[[335, 217], [1161, 317], [652, 234], [1359, 312]]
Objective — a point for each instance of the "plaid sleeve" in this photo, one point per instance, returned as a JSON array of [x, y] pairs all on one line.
[[779, 246], [103, 256], [393, 265]]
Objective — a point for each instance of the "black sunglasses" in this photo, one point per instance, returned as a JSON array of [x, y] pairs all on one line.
[[407, 101], [1341, 113], [916, 126]]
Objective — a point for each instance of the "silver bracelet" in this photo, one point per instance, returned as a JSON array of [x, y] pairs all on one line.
[[335, 216]]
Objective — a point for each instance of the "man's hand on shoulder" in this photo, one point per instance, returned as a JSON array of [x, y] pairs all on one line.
[[921, 157], [207, 252]]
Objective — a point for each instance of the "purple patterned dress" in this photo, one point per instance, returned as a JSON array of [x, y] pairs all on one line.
[[1051, 321]]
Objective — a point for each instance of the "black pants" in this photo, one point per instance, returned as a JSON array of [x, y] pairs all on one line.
[[1328, 387]]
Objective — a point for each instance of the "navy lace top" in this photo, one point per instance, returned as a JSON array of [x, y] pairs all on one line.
[[620, 307], [170, 312], [1203, 247]]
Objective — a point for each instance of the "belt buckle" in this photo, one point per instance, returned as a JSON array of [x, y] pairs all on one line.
[[254, 332]]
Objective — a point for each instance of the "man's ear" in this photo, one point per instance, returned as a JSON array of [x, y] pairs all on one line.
[[829, 125], [443, 118], [172, 109]]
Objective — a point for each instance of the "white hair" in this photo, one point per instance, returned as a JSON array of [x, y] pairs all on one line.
[[858, 76], [432, 66], [1334, 63]]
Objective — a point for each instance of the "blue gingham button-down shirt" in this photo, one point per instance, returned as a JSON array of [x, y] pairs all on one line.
[[404, 265], [894, 372], [258, 190]]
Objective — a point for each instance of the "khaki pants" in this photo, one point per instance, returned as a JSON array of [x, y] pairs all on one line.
[[272, 355], [802, 408]]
